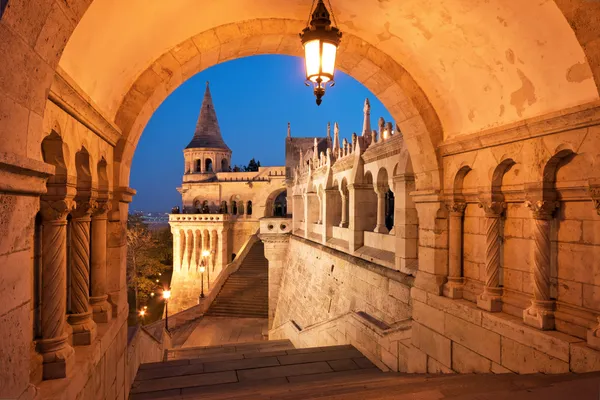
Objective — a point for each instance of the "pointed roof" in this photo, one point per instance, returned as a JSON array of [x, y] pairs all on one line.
[[208, 133]]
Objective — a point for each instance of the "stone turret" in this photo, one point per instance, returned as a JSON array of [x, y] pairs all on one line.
[[207, 152]]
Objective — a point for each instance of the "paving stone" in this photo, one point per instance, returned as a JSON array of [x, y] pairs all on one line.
[[364, 363], [321, 356], [342, 365], [184, 381], [241, 364], [165, 372], [284, 370]]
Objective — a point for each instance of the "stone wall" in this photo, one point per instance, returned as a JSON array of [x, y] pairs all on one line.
[[320, 285]]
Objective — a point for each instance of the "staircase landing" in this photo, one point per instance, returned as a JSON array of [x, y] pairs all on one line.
[[275, 370]]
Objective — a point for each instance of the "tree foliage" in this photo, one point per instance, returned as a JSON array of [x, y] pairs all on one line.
[[149, 255]]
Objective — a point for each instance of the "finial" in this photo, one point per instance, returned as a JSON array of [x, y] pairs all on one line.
[[329, 130], [207, 83], [289, 132], [367, 118], [367, 107]]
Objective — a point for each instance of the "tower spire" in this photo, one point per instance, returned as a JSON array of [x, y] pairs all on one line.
[[207, 133], [367, 118], [336, 139], [328, 130], [289, 132]]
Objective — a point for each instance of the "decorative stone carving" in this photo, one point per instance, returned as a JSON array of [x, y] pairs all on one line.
[[491, 298], [57, 354], [453, 288], [80, 318], [541, 312], [101, 308]]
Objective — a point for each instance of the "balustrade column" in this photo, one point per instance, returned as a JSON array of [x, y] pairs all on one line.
[[344, 220], [491, 298], [541, 312], [102, 310], [381, 228], [80, 317], [57, 354], [454, 287]]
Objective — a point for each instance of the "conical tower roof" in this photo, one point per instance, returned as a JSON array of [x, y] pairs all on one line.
[[208, 133]]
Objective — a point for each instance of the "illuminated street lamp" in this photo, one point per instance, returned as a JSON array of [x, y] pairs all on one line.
[[166, 296], [142, 314], [320, 41]]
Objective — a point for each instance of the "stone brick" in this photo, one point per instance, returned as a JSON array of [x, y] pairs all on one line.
[[459, 308], [481, 341], [569, 231], [434, 367], [578, 255], [591, 232], [465, 361], [526, 360], [584, 358], [513, 227], [570, 292], [499, 369], [516, 254], [432, 343], [553, 343], [513, 279], [399, 291], [431, 317]]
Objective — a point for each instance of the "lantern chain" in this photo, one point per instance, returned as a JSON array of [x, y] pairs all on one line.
[[332, 14], [310, 13]]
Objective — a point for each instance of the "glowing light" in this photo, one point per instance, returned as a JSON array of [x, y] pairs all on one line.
[[166, 294]]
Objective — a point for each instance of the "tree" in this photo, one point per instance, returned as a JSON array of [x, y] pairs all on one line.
[[149, 255], [252, 166]]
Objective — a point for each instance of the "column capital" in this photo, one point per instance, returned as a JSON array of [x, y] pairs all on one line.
[[56, 210], [85, 208], [102, 209], [492, 209], [457, 207], [542, 209]]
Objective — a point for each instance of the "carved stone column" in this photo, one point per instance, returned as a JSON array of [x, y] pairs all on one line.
[[58, 355], [541, 312], [381, 228], [99, 299], [454, 287], [491, 298], [80, 317], [344, 220]]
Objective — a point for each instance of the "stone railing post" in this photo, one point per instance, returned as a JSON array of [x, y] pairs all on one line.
[[344, 219], [491, 298], [454, 287], [275, 234], [101, 308], [380, 228], [57, 354], [80, 317], [541, 312]]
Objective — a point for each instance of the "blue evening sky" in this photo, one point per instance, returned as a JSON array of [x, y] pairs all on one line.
[[254, 97]]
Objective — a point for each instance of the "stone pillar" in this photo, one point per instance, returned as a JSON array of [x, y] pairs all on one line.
[[344, 220], [330, 206], [381, 228], [276, 246], [491, 298], [454, 287], [320, 198], [361, 204], [58, 356], [80, 317], [406, 224], [541, 312], [102, 310]]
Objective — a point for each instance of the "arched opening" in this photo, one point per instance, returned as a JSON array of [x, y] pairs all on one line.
[[208, 165], [102, 175], [225, 165], [234, 208], [198, 165], [82, 166], [249, 207], [389, 210], [280, 205]]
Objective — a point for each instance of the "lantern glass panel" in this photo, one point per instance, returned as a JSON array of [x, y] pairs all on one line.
[[312, 58], [328, 63]]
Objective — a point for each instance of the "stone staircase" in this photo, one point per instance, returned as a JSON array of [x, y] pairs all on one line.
[[246, 291], [276, 370]]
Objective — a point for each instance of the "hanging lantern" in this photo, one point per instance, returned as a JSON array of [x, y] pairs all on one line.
[[320, 41]]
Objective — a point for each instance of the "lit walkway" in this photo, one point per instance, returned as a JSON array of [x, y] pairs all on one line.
[[212, 331]]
